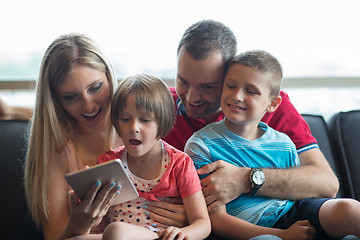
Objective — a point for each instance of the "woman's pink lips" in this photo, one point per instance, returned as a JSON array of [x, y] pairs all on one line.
[[91, 118]]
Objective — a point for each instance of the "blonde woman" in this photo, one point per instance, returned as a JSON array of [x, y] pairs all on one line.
[[74, 90]]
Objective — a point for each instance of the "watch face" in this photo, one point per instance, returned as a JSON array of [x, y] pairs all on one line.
[[259, 177]]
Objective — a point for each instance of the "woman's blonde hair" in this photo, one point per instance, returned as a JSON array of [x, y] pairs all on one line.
[[151, 94], [51, 125]]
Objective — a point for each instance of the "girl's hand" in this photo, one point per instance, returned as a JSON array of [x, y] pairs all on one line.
[[170, 212], [172, 233], [88, 213], [301, 230]]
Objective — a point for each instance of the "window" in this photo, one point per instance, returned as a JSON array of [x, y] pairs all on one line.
[[310, 38]]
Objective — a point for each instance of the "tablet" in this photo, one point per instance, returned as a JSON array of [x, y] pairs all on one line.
[[81, 181]]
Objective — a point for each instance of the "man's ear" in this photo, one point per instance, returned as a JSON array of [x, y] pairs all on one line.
[[274, 104]]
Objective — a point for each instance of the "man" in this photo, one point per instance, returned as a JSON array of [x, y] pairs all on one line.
[[203, 54]]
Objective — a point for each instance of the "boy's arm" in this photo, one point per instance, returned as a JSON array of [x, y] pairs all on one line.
[[231, 227]]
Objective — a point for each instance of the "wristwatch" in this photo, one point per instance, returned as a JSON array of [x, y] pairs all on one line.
[[257, 179]]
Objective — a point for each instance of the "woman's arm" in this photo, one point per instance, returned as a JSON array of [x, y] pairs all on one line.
[[68, 217], [58, 202]]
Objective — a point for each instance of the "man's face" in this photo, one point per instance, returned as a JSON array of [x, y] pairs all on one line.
[[199, 84]]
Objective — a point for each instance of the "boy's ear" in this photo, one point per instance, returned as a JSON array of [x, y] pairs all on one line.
[[274, 104]]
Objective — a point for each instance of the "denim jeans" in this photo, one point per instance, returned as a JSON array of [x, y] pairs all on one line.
[[266, 237]]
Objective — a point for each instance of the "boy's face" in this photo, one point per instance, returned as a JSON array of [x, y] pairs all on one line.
[[199, 83], [246, 95]]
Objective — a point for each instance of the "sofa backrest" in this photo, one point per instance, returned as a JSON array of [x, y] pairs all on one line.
[[344, 129], [16, 220]]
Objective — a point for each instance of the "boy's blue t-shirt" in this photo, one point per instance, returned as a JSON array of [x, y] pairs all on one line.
[[272, 150]]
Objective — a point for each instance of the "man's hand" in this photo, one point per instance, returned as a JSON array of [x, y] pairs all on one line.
[[169, 212], [225, 183], [11, 112], [5, 110]]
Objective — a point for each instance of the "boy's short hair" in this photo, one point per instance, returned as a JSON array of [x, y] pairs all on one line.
[[151, 94], [266, 64]]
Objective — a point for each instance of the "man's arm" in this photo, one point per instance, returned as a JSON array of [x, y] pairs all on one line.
[[314, 178], [11, 112]]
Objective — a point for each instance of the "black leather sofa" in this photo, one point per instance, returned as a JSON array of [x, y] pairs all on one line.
[[16, 220], [338, 138]]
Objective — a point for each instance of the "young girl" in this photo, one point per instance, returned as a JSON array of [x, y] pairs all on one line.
[[142, 112]]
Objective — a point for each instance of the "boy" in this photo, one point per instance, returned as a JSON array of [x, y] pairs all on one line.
[[251, 89]]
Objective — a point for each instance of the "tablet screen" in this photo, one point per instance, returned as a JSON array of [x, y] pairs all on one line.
[[81, 181]]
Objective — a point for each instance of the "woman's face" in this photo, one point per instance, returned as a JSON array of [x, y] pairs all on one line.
[[85, 95]]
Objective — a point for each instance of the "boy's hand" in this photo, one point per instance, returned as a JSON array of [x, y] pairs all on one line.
[[301, 230], [225, 183]]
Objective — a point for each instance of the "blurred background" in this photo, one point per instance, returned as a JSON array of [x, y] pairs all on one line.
[[317, 42]]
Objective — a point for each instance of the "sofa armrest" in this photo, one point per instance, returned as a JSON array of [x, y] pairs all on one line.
[[344, 129], [17, 222]]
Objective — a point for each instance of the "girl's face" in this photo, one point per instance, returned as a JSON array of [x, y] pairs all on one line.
[[85, 95], [245, 96], [138, 129]]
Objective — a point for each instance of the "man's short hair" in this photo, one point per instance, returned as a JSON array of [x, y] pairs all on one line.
[[207, 36]]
